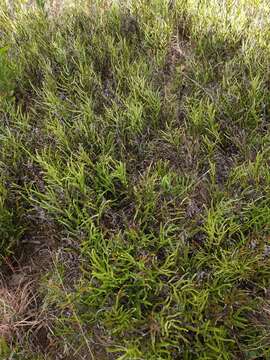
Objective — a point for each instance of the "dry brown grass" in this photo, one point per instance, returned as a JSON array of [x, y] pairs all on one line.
[[17, 309], [22, 317]]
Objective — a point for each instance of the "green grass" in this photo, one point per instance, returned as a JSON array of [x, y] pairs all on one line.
[[140, 131]]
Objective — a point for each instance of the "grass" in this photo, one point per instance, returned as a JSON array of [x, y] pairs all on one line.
[[138, 134]]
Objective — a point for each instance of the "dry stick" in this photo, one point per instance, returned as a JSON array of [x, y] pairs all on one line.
[[196, 82], [206, 92], [199, 86]]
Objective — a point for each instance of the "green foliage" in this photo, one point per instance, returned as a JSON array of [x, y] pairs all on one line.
[[141, 130], [40, 3], [10, 230], [6, 74]]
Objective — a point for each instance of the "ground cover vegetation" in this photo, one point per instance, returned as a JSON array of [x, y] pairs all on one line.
[[135, 181]]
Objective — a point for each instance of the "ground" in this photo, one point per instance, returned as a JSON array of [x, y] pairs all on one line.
[[135, 180]]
